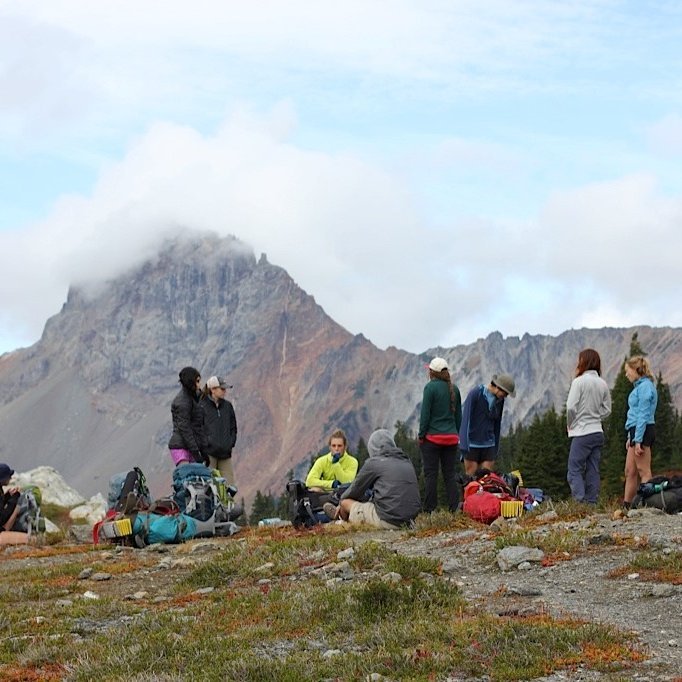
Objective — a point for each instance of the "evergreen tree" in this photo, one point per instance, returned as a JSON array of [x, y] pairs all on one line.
[[663, 452], [509, 450], [407, 442], [677, 456], [543, 454], [361, 453], [282, 506], [263, 507]]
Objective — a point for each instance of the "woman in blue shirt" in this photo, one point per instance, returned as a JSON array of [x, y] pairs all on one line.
[[639, 425]]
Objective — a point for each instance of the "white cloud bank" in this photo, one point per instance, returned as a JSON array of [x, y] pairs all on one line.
[[459, 167], [352, 234]]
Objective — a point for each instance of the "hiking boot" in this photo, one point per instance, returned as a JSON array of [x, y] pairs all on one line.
[[330, 510]]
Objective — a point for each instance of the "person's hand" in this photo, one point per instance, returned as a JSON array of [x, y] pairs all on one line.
[[627, 445], [639, 450], [336, 484]]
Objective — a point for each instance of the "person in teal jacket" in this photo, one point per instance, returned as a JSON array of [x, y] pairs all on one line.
[[439, 421], [639, 425], [336, 468]]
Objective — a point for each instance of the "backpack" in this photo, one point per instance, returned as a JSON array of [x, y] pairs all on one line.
[[480, 504], [195, 491], [128, 491], [29, 515], [661, 492], [301, 510], [496, 484], [305, 506]]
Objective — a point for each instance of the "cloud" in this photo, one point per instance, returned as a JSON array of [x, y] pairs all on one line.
[[665, 135], [431, 194], [85, 70], [351, 233]]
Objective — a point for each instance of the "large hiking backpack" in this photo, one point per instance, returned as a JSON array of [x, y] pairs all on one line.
[[29, 516], [128, 491], [661, 492], [201, 493], [301, 511], [195, 491], [483, 496], [305, 505]]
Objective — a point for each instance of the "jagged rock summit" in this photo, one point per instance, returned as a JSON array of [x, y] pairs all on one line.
[[94, 392], [91, 398]]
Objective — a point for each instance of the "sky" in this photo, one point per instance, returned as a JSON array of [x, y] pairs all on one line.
[[430, 171]]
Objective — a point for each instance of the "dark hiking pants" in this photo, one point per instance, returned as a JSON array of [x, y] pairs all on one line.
[[583, 467], [444, 456]]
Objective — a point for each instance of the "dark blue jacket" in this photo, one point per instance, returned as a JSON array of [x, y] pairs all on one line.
[[480, 423]]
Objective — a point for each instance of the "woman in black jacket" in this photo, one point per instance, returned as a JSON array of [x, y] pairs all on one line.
[[188, 442], [220, 425]]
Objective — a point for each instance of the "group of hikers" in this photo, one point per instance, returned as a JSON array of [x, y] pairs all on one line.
[[450, 431], [385, 492], [204, 424]]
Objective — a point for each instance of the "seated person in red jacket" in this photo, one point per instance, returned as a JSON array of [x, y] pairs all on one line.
[[336, 468]]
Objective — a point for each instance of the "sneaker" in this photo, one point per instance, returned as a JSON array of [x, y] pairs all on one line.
[[330, 510]]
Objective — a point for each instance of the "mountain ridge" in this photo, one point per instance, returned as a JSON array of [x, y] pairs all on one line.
[[92, 396]]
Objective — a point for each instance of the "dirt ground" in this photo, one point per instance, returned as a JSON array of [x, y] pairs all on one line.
[[578, 586]]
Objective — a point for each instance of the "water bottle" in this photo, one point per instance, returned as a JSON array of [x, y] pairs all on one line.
[[272, 521]]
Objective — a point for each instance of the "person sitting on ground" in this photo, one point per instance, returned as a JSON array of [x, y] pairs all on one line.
[[391, 476], [336, 468], [9, 510], [479, 435]]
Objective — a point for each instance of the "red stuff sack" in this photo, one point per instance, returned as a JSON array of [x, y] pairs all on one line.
[[482, 506]]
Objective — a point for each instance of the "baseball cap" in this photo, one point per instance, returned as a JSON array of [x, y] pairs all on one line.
[[215, 382], [6, 472], [438, 364]]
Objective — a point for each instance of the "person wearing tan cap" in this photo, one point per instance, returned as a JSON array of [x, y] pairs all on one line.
[[479, 436], [220, 427]]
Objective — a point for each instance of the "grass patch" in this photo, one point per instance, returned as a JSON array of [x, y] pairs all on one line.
[[266, 557], [285, 627], [442, 520], [557, 544], [654, 567]]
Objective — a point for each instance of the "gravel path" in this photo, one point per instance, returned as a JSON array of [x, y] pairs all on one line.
[[579, 586]]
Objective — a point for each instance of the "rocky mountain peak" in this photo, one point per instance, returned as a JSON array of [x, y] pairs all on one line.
[[92, 397]]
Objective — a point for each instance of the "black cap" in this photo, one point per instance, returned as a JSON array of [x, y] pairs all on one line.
[[6, 472]]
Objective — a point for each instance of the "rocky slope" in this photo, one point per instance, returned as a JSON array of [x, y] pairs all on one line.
[[92, 397]]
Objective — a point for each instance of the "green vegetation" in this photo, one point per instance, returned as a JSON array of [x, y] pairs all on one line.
[[654, 567], [276, 612]]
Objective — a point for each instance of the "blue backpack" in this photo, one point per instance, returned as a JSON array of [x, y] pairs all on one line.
[[195, 490], [168, 529]]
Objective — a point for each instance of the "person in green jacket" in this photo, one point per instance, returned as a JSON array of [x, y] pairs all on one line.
[[439, 422], [336, 468]]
